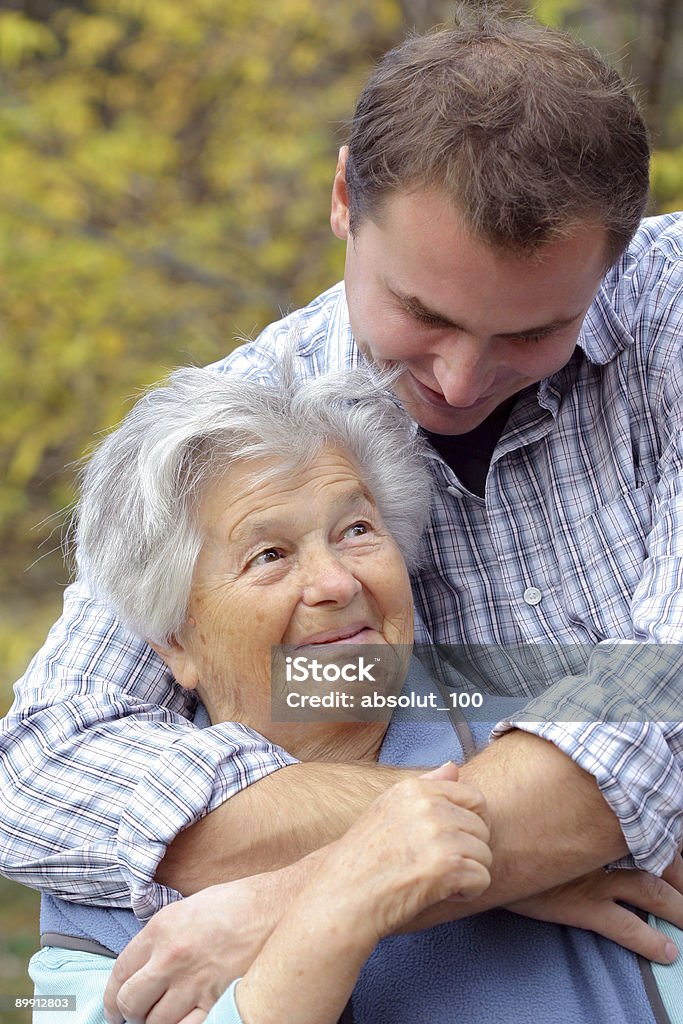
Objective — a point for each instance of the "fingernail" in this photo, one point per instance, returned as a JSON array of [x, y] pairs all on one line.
[[670, 952]]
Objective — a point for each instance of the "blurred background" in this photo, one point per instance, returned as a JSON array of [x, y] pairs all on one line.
[[164, 176]]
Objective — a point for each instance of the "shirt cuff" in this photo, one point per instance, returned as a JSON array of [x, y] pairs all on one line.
[[225, 1010], [637, 775]]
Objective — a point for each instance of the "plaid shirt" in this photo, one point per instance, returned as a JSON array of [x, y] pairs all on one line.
[[578, 545]]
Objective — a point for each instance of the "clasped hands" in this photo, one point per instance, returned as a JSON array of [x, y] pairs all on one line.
[[422, 844]]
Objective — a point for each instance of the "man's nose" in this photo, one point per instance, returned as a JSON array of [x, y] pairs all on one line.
[[327, 578], [463, 371]]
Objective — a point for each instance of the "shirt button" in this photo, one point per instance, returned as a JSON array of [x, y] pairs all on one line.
[[532, 595]]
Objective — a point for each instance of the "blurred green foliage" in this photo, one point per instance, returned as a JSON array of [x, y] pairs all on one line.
[[164, 178]]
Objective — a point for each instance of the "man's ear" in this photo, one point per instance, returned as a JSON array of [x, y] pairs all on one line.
[[179, 659], [339, 212]]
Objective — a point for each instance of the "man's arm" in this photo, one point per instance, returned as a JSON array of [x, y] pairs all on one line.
[[621, 719], [621, 723], [422, 841], [147, 774], [538, 840], [274, 823]]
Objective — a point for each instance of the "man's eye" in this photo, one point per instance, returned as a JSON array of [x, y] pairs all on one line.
[[536, 338], [426, 318], [357, 530], [266, 556]]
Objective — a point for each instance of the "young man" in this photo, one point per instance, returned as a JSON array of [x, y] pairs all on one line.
[[490, 198]]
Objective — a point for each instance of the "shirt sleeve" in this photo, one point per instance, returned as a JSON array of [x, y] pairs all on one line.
[[622, 721], [102, 764]]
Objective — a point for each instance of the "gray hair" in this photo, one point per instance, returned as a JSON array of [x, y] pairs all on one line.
[[137, 522]]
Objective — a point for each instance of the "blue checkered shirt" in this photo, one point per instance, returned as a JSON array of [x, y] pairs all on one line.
[[578, 544]]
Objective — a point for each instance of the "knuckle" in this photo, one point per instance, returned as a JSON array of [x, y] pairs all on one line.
[[458, 861], [177, 949], [472, 794], [481, 879], [455, 864], [630, 928], [415, 788], [119, 971], [401, 792], [653, 888], [486, 857], [127, 1004], [422, 806]]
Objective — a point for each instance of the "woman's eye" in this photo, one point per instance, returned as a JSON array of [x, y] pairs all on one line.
[[357, 530], [266, 557]]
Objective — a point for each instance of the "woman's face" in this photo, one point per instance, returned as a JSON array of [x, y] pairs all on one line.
[[302, 559]]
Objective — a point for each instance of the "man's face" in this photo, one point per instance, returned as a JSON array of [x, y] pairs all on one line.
[[471, 325]]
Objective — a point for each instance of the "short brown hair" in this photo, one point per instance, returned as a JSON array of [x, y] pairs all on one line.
[[525, 129]]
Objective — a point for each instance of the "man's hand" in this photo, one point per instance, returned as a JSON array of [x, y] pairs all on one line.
[[189, 953], [594, 902]]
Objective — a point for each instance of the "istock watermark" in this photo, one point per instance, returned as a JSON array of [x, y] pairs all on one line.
[[337, 682], [305, 670], [613, 682]]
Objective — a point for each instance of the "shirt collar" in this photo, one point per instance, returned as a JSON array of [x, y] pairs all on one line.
[[603, 335], [602, 338]]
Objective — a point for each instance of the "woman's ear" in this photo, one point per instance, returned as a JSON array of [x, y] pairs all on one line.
[[339, 211], [178, 656]]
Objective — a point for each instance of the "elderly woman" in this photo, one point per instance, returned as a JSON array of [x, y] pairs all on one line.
[[224, 520]]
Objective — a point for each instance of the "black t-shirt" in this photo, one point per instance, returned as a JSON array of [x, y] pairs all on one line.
[[469, 455]]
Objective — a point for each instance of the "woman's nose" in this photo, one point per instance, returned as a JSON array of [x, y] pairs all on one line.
[[327, 578]]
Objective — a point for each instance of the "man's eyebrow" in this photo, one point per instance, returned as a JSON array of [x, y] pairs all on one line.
[[549, 328], [415, 305]]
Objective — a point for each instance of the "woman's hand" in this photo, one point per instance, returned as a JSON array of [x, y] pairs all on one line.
[[422, 841]]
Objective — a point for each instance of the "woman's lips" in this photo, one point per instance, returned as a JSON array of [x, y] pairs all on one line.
[[352, 635]]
